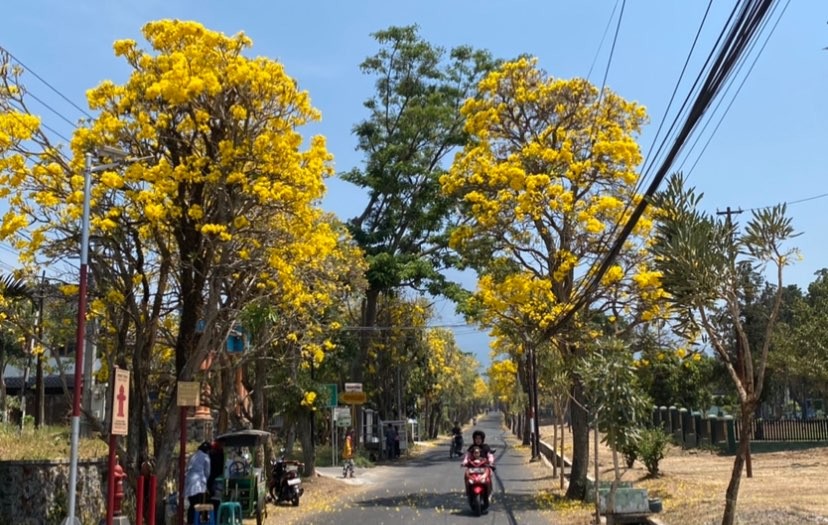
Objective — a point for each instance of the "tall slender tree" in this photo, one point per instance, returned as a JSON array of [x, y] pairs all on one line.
[[547, 176], [414, 122], [698, 256]]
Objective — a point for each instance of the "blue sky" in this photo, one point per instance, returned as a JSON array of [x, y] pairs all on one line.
[[769, 148]]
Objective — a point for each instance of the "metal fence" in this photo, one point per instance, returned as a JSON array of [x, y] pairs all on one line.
[[787, 430]]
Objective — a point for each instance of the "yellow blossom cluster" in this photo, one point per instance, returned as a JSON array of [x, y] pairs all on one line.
[[550, 172]]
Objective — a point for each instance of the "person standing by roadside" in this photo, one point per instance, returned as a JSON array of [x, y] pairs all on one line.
[[195, 484], [348, 454], [391, 441]]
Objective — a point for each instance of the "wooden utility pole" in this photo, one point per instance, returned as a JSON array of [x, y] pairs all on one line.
[[740, 352]]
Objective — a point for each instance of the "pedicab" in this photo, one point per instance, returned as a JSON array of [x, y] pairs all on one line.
[[242, 482]]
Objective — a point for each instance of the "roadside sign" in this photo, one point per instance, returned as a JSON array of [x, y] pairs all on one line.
[[353, 387], [332, 391], [353, 398], [342, 416], [120, 404], [188, 393]]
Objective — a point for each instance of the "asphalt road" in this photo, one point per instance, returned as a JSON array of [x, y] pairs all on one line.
[[429, 489]]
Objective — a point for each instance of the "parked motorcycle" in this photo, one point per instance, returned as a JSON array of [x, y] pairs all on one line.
[[478, 481], [284, 483], [456, 448]]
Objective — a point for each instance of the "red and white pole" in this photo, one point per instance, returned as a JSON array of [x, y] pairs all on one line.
[[80, 340]]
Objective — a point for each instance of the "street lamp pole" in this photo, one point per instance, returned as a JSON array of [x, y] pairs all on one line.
[[80, 338], [119, 157]]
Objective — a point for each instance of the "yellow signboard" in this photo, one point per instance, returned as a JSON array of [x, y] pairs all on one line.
[[120, 403], [353, 398]]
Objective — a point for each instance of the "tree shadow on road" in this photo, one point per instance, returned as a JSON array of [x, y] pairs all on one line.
[[454, 502]]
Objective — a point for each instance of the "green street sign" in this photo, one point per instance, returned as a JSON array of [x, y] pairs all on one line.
[[332, 397]]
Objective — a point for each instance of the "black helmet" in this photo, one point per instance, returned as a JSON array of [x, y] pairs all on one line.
[[479, 433]]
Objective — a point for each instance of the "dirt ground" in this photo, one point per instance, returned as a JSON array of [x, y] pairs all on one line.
[[786, 488], [322, 494]]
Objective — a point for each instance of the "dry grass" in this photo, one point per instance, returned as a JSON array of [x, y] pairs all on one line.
[[48, 443], [692, 484]]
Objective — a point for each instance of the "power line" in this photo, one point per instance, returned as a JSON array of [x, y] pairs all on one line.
[[390, 328], [612, 52], [739, 37], [42, 125], [50, 108], [50, 86], [788, 203], [675, 90], [601, 44], [732, 100]]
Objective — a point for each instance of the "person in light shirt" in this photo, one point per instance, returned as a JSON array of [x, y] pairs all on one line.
[[195, 483]]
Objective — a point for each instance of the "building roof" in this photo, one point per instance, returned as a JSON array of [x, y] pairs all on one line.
[[50, 382]]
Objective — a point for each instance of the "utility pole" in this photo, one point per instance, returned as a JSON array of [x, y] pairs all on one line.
[[740, 351], [89, 350], [40, 390]]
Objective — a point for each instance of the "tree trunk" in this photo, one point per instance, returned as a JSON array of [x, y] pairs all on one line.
[[369, 320], [303, 428], [561, 454], [3, 408], [525, 431], [580, 444], [554, 445], [732, 494]]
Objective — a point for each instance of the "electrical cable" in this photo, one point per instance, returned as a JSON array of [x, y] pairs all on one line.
[[50, 108], [50, 86], [648, 163], [612, 52], [42, 125], [732, 100], [601, 44], [603, 241], [788, 203], [741, 33], [675, 91]]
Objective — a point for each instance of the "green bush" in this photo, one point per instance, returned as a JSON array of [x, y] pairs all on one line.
[[651, 447], [630, 452]]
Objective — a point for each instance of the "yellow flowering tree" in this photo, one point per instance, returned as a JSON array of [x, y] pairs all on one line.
[[225, 212], [547, 177], [445, 383], [503, 382]]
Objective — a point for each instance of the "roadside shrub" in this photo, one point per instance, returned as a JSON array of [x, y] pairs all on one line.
[[651, 446], [630, 452]]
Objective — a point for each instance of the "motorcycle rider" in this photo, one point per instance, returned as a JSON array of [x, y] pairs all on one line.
[[479, 440], [477, 451], [456, 438]]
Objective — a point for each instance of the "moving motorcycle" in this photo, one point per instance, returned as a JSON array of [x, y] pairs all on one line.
[[456, 446], [284, 483], [478, 481]]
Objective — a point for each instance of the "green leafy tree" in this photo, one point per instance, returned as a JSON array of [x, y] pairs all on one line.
[[617, 405], [414, 122], [673, 373], [798, 361], [697, 255]]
